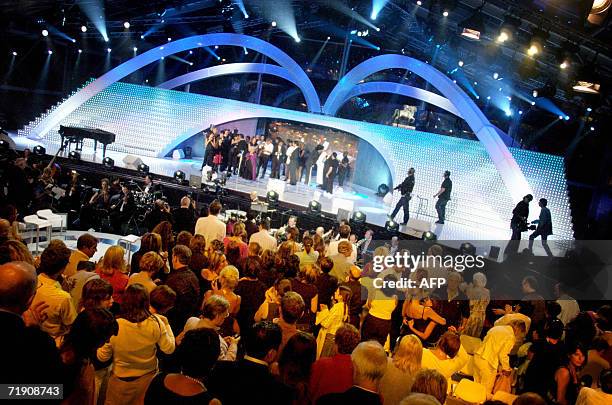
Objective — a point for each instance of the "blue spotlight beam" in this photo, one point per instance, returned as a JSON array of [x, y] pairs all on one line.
[[94, 10], [240, 4], [377, 6], [346, 10]]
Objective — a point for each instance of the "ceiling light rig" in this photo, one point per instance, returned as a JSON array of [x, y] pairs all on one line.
[[473, 27], [508, 29]]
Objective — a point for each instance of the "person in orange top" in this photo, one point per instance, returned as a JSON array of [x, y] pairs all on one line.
[[113, 270], [237, 237]]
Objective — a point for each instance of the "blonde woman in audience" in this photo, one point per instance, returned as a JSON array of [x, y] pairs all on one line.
[[134, 348], [401, 369], [224, 287], [216, 262], [331, 320], [113, 269], [151, 265], [479, 298]]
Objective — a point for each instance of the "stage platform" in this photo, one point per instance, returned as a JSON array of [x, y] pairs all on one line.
[[452, 233]]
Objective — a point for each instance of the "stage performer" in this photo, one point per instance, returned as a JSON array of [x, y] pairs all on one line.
[[302, 157], [544, 227], [226, 145], [343, 168], [311, 161], [249, 164], [277, 153], [444, 194], [520, 213], [330, 172], [265, 151], [406, 189], [208, 136], [320, 165], [292, 162]]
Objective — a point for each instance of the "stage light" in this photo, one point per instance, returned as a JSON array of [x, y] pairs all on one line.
[[50, 52], [537, 42], [328, 38], [108, 162], [391, 226], [419, 3], [162, 58], [169, 39], [314, 207], [14, 53], [45, 33], [190, 52], [143, 168], [534, 94], [533, 50], [460, 63], [142, 37], [74, 156], [246, 16], [216, 46], [488, 97], [359, 217], [592, 128], [509, 27], [83, 28], [599, 11], [467, 249], [190, 63], [587, 81], [473, 27], [179, 176], [298, 40], [520, 112], [126, 25], [589, 109], [272, 198], [503, 37], [508, 113], [4, 145], [560, 117], [108, 50], [80, 51], [429, 236], [39, 150], [533, 103], [383, 189], [105, 39], [495, 75], [273, 23], [135, 49]]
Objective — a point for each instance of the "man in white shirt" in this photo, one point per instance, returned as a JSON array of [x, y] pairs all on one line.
[[211, 227], [264, 156], [263, 237], [494, 351], [448, 357], [569, 306], [344, 231]]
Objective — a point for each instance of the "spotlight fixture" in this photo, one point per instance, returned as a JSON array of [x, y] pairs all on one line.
[[535, 94], [179, 176], [135, 49], [391, 226], [143, 168], [80, 51], [383, 189], [108, 50], [429, 236], [45, 33], [460, 63], [108, 162], [50, 52], [273, 23], [14, 53], [169, 39], [359, 217], [495, 75], [126, 25], [587, 81], [538, 41], [298, 40], [39, 150], [4, 145], [508, 28], [314, 207], [565, 54], [419, 3], [272, 198], [83, 28], [74, 156], [473, 27], [445, 13], [549, 90]]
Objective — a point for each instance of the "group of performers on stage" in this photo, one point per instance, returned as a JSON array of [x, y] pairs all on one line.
[[291, 160]]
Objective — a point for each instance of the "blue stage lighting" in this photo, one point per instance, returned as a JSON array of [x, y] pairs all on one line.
[[126, 25], [589, 109], [83, 28], [273, 23], [108, 50], [14, 53], [135, 49], [566, 118], [80, 51], [50, 52]]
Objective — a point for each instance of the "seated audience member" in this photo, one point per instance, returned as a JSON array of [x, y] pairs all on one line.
[[196, 356], [151, 264], [29, 355], [603, 395], [184, 238], [369, 366], [529, 398], [75, 283], [61, 312], [401, 369], [256, 384], [91, 329], [134, 349], [162, 299], [214, 313], [291, 310], [417, 398], [97, 293], [270, 309], [150, 242], [87, 245], [186, 286], [494, 351], [566, 384], [113, 270], [547, 357], [295, 364], [447, 357], [224, 287], [335, 374], [15, 251], [326, 283], [432, 383]]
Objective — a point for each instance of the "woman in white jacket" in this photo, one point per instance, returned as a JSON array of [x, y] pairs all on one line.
[[134, 348], [331, 320]]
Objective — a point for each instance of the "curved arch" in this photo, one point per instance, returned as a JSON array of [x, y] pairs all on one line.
[[510, 172], [72, 103], [233, 68], [401, 89], [284, 96]]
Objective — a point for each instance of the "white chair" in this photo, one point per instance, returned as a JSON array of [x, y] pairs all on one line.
[[58, 220], [129, 240], [38, 223]]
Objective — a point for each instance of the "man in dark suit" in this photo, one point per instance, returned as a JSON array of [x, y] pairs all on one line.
[[122, 208], [184, 216], [248, 381], [544, 227], [369, 365], [406, 189], [29, 355], [520, 213]]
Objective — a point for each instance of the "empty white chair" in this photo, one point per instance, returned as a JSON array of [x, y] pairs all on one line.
[[38, 223], [129, 240], [58, 220]]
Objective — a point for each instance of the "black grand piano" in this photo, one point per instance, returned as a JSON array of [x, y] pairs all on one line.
[[77, 135]]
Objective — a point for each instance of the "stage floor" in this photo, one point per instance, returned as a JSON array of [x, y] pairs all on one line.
[[353, 197]]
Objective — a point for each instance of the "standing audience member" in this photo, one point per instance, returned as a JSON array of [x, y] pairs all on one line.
[[332, 319], [61, 312], [150, 266], [326, 283], [162, 299], [304, 284], [263, 237], [224, 287], [75, 283], [270, 309], [134, 348], [184, 216], [150, 242], [569, 306], [377, 324], [447, 357], [252, 293], [479, 297], [15, 251], [344, 231], [295, 364], [369, 366], [113, 270], [359, 296], [308, 255], [291, 310], [211, 227], [342, 262], [401, 369], [198, 254], [186, 286], [97, 293]]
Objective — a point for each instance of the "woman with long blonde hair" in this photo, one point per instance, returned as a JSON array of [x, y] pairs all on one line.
[[113, 269], [216, 262], [401, 369], [224, 287]]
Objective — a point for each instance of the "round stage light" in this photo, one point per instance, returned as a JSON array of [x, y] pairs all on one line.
[[535, 93], [135, 49], [39, 150], [467, 249], [45, 33], [169, 39], [460, 63], [503, 37], [419, 3], [142, 168], [14, 53], [564, 65], [589, 109], [359, 217], [272, 198], [273, 23], [328, 38], [50, 52], [298, 40], [80, 51], [73, 40], [445, 13], [108, 162], [106, 39], [126, 25], [74, 156], [592, 128], [314, 207], [383, 189], [83, 28], [429, 236], [4, 145], [179, 176], [495, 75], [391, 226]]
